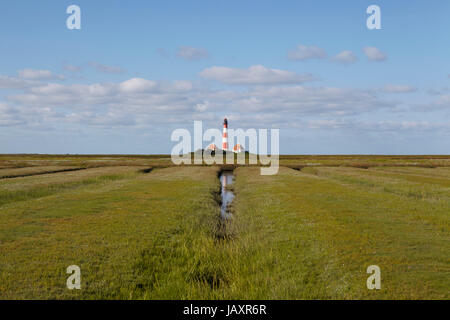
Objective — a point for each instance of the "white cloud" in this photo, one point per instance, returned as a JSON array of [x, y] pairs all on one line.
[[441, 103], [140, 94], [106, 68], [7, 82], [10, 116], [191, 53], [137, 85], [181, 85], [144, 105], [256, 75], [140, 103], [345, 57], [108, 119], [438, 91], [201, 107], [34, 74], [373, 126], [390, 88], [27, 78], [306, 52], [300, 100], [414, 126], [374, 54]]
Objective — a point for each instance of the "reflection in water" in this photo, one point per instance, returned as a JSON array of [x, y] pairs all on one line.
[[226, 179]]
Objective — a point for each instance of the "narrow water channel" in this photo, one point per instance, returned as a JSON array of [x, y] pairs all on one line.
[[226, 180]]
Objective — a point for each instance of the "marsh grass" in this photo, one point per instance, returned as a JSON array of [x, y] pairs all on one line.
[[29, 187], [37, 170], [302, 234], [417, 183], [141, 236], [160, 161], [323, 233]]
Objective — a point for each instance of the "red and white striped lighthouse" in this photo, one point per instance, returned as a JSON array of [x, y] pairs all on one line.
[[225, 135]]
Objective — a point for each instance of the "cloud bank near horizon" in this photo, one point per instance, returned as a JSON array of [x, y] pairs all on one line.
[[266, 97]]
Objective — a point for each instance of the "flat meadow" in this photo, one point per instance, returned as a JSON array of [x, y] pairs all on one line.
[[140, 228]]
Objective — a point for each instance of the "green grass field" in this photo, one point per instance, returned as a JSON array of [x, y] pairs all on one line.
[[140, 228]]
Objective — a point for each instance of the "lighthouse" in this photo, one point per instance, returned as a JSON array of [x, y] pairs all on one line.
[[225, 135]]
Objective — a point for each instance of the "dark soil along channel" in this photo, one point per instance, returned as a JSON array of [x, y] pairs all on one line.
[[147, 170], [227, 195]]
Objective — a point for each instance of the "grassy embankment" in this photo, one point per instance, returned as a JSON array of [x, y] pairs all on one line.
[[313, 234], [296, 161], [6, 173], [135, 236], [37, 185]]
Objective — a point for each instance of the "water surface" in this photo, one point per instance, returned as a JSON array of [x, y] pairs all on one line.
[[226, 179]]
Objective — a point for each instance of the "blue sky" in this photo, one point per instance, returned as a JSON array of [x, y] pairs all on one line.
[[138, 70]]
